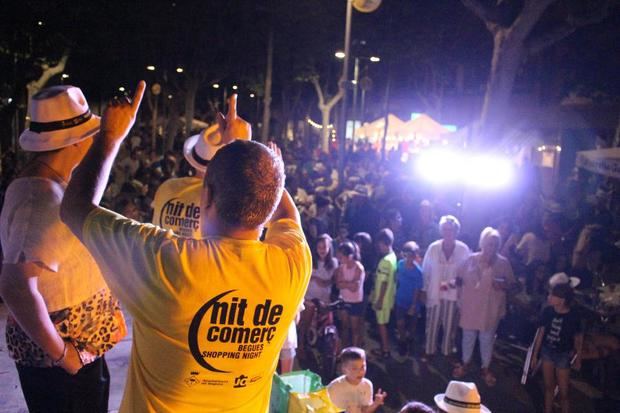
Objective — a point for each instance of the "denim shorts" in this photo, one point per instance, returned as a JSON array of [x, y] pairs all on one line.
[[354, 309], [560, 359]]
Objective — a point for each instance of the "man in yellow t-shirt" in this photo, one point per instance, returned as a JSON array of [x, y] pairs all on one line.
[[210, 315]]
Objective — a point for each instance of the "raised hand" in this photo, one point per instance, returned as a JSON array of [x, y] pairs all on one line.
[[275, 148], [232, 126], [380, 398], [120, 115]]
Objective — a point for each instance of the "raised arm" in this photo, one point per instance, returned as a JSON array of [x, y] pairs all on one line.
[[91, 176], [286, 208]]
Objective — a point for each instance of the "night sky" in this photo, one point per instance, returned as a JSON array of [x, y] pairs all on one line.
[[424, 45]]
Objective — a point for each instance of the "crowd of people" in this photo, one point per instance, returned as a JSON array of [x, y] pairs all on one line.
[[411, 269]]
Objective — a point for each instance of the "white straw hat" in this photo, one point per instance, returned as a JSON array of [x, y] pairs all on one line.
[[460, 397], [200, 149], [59, 117], [563, 278]]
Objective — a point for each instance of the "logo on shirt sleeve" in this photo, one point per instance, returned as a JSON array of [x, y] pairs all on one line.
[[228, 329]]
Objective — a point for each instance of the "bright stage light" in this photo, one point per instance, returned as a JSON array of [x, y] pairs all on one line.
[[339, 54], [440, 166], [481, 171], [150, 68], [488, 172]]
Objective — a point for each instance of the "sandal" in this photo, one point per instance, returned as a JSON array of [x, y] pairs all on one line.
[[488, 377], [459, 371]]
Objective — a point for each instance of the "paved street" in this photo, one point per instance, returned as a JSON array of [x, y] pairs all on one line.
[[403, 379]]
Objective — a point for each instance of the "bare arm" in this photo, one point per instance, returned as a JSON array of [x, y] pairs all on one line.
[[91, 176], [19, 289], [340, 282], [286, 208], [354, 284], [578, 347], [382, 290]]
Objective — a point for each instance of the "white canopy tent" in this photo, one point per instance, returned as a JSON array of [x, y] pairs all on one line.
[[419, 132]]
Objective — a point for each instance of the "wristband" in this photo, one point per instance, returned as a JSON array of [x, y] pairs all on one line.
[[62, 357]]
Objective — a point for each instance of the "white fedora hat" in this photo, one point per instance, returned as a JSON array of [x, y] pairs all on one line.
[[460, 397], [563, 278], [59, 117], [200, 149]]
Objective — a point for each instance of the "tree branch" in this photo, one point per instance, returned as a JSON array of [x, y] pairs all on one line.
[[530, 15], [488, 14], [541, 42], [315, 82], [335, 98], [47, 74], [568, 27]]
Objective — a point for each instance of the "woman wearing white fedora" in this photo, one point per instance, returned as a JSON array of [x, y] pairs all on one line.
[[62, 317], [460, 397]]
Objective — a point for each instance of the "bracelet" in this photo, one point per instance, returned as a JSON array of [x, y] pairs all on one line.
[[62, 357]]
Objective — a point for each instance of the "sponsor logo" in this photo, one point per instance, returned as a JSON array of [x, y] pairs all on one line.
[[194, 380], [238, 332], [255, 379], [240, 381]]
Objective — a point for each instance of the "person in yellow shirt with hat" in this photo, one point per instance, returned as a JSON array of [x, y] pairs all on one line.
[[176, 204], [211, 314]]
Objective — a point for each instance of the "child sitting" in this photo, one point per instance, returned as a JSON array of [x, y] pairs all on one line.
[[353, 391]]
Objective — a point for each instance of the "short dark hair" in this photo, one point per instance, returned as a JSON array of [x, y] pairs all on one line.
[[564, 291], [246, 180], [348, 248], [385, 236], [351, 354]]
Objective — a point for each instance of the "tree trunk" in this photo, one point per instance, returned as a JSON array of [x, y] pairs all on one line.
[[267, 97], [190, 104], [325, 109], [173, 127], [325, 114], [507, 55]]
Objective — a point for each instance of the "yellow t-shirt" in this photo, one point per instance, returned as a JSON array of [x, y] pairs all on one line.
[[176, 206], [386, 270], [210, 316]]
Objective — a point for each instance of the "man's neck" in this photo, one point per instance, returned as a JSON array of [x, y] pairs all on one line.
[[218, 229]]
